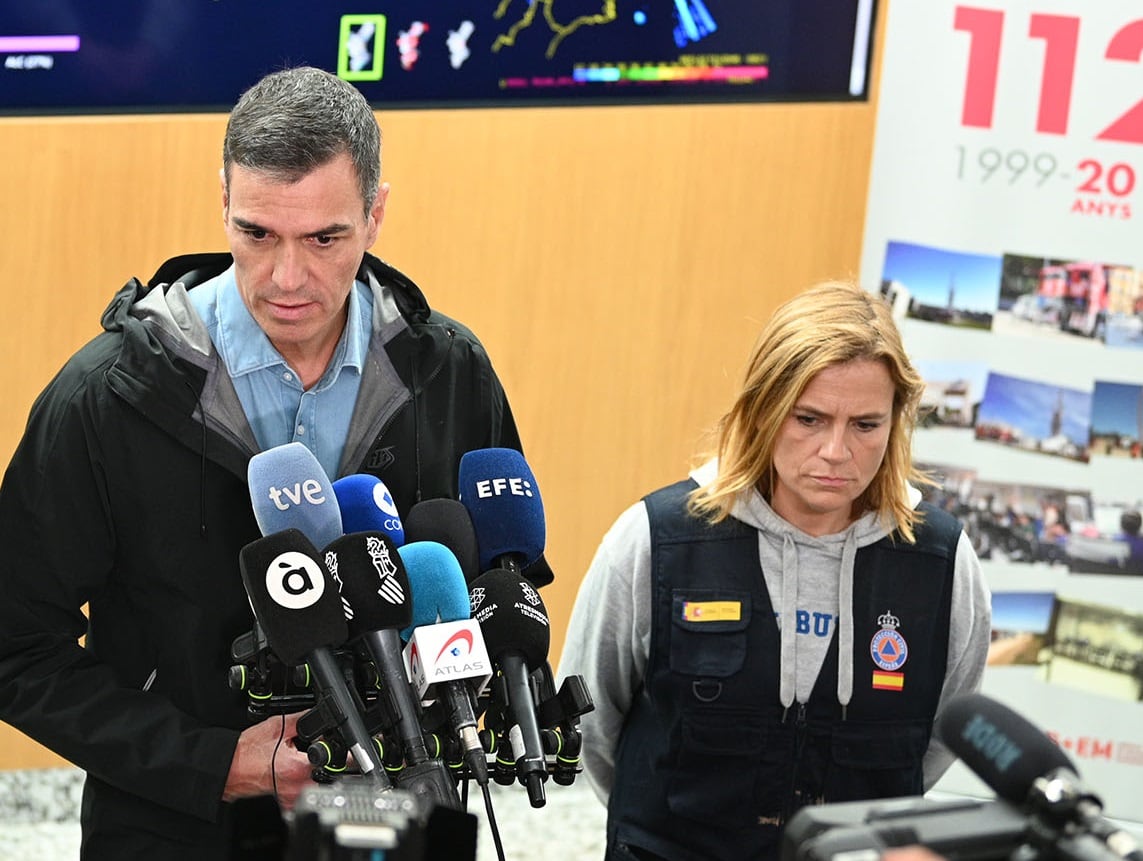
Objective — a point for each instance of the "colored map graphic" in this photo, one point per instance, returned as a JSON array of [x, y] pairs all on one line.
[[560, 31]]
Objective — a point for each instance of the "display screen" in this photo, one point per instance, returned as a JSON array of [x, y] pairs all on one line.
[[117, 56]]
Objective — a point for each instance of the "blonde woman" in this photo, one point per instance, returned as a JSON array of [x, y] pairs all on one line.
[[782, 627]]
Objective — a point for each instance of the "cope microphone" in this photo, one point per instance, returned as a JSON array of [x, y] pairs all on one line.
[[503, 501], [377, 601], [446, 647], [517, 633], [1023, 766], [302, 618], [289, 489], [447, 522], [367, 506]]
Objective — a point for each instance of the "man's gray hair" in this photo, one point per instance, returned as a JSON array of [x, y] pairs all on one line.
[[296, 120]]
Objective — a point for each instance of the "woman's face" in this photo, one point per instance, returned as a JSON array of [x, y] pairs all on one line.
[[831, 445]]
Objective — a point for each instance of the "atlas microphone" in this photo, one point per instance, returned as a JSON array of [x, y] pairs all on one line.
[[302, 618], [378, 602], [445, 646], [517, 633], [1026, 768], [500, 492]]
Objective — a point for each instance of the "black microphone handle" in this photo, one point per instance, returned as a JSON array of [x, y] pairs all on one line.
[[424, 776], [530, 764], [509, 562], [328, 675], [385, 647]]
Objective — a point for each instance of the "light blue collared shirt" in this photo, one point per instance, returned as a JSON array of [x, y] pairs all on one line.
[[278, 409]]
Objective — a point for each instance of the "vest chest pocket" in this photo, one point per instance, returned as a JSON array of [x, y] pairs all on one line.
[[708, 632]]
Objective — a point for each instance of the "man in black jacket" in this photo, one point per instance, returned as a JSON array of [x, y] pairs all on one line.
[[128, 492]]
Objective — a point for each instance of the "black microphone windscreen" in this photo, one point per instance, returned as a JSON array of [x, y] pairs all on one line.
[[293, 599], [1003, 749], [512, 616], [447, 522], [373, 582]]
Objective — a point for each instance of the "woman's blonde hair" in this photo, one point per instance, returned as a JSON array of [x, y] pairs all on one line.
[[830, 324]]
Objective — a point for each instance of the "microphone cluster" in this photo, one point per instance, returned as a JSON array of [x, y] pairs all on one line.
[[415, 645], [1043, 812]]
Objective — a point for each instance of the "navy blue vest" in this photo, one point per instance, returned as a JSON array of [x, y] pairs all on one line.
[[709, 764]]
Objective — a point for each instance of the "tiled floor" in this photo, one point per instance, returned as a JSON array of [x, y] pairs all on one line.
[[39, 809]]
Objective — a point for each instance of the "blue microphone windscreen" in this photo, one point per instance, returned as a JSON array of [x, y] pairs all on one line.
[[446, 522], [437, 583], [500, 492], [367, 506], [290, 490]]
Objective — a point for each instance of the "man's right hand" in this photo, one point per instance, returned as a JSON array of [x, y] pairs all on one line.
[[266, 762]]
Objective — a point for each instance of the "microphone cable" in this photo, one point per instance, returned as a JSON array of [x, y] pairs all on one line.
[[492, 820], [274, 760]]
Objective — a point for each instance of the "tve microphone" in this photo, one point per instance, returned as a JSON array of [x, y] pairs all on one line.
[[1025, 767], [515, 625], [446, 647], [367, 506], [377, 603], [290, 490], [446, 521], [302, 618], [499, 491]]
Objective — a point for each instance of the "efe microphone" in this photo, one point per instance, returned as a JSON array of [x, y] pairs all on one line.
[[515, 625], [302, 619], [500, 492]]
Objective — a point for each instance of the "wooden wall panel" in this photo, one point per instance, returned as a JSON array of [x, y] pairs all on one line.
[[617, 262]]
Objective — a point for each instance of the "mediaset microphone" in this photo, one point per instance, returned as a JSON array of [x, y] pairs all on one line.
[[503, 500], [445, 646], [289, 489], [301, 615], [1023, 766], [367, 506], [517, 633], [377, 599], [446, 521]]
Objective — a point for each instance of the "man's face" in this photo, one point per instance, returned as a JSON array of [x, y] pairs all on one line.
[[297, 247], [831, 445]]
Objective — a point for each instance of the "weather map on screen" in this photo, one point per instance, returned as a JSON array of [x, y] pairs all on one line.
[[61, 56]]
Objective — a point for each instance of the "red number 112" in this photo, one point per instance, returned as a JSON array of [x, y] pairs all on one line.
[[1061, 36]]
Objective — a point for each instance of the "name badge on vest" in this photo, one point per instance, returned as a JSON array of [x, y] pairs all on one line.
[[889, 651], [712, 611]]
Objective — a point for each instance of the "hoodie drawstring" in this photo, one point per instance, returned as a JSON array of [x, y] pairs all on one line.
[[845, 623]]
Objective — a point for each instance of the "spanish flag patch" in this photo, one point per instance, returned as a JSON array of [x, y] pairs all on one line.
[[883, 681], [712, 611]]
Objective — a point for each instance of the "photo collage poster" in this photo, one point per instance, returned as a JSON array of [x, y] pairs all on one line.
[[1005, 226]]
